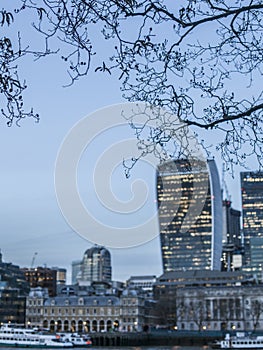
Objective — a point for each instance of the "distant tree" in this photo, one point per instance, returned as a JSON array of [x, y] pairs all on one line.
[[200, 59], [165, 310], [256, 311], [197, 312], [224, 312]]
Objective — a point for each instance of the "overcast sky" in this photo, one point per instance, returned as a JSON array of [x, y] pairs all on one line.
[[31, 220]]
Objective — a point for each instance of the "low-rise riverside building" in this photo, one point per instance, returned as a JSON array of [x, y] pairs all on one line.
[[86, 313], [209, 300], [189, 300], [132, 310], [230, 308]]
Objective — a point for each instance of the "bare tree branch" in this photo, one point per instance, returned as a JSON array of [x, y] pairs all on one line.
[[201, 60]]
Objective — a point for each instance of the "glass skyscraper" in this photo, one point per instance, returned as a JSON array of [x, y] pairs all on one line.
[[232, 241], [190, 215], [252, 209], [95, 265]]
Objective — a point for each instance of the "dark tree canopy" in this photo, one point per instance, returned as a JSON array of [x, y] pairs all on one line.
[[200, 59]]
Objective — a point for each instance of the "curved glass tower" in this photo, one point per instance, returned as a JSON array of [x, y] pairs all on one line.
[[96, 265], [190, 215]]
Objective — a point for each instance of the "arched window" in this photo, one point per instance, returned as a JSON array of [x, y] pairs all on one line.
[[109, 325], [94, 326], [101, 326], [80, 326], [87, 326], [66, 326], [116, 325], [52, 326], [73, 326], [59, 326]]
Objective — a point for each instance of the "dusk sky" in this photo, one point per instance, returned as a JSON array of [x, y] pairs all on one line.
[[31, 220]]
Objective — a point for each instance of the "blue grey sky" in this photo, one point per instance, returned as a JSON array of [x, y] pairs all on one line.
[[31, 220]]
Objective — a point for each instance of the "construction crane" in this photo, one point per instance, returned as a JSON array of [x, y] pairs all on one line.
[[33, 260]]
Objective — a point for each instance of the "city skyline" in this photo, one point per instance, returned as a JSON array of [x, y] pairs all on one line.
[[246, 175], [153, 244], [31, 220]]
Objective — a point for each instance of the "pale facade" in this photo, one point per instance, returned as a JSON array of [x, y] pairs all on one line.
[[230, 308], [86, 313], [209, 300]]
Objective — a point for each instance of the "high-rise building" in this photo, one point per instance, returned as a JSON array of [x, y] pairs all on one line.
[[61, 274], [256, 264], [95, 266], [13, 291], [232, 243], [252, 209], [75, 270], [190, 215], [231, 224]]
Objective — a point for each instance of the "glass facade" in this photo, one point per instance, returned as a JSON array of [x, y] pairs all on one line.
[[190, 215], [13, 291], [96, 265], [75, 270], [232, 243], [42, 277], [256, 245], [252, 209], [12, 305]]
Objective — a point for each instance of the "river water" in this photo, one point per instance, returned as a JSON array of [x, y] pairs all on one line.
[[136, 348]]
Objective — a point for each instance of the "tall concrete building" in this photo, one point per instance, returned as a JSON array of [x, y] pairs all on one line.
[[252, 209], [190, 215]]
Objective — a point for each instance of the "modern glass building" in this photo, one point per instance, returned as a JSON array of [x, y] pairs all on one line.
[[190, 215], [96, 265], [252, 209], [13, 291], [256, 249], [232, 241], [75, 270]]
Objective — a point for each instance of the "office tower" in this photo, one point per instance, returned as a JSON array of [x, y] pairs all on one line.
[[232, 245], [13, 291], [42, 277], [252, 209], [256, 264], [75, 270], [95, 266], [61, 275], [190, 215]]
